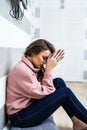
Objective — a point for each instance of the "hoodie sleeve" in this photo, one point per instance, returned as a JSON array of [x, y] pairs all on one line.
[[44, 88], [26, 84]]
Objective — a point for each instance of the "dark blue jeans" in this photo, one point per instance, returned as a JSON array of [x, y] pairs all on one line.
[[40, 110]]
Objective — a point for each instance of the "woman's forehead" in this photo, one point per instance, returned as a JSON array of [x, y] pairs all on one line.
[[45, 52]]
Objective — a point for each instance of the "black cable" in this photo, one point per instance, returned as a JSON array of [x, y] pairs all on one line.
[[16, 11]]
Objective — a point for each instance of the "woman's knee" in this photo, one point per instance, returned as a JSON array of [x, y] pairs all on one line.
[[69, 91], [59, 82]]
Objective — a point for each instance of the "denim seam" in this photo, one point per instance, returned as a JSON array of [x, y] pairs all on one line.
[[42, 108], [76, 106]]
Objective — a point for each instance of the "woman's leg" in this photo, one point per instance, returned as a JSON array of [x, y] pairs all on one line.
[[39, 111], [59, 83], [43, 108], [77, 124]]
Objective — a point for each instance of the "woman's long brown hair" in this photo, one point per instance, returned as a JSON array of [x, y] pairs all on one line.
[[35, 48]]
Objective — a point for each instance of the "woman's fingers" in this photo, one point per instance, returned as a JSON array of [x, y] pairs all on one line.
[[58, 55], [53, 60]]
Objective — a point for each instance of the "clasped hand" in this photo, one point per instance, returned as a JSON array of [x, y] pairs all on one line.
[[53, 60]]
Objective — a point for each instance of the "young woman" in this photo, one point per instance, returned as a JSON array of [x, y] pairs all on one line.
[[32, 94]]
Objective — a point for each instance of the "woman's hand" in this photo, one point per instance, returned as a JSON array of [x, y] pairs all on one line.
[[53, 60]]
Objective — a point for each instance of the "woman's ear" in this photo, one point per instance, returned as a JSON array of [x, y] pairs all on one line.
[[32, 54]]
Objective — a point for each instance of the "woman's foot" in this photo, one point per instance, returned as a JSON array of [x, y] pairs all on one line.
[[78, 124]]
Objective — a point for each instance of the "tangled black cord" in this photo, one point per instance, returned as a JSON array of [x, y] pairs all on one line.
[[16, 11]]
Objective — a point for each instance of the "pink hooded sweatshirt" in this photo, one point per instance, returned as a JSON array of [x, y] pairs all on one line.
[[23, 86]]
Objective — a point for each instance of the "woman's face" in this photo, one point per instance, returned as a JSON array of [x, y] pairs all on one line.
[[38, 60]]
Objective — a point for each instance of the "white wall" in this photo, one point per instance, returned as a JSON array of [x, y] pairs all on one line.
[[12, 36], [62, 22]]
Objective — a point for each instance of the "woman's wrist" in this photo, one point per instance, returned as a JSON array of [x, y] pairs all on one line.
[[48, 71]]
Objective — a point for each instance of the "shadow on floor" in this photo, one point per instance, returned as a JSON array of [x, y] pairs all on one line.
[[64, 128]]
